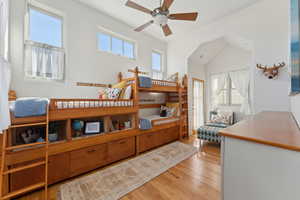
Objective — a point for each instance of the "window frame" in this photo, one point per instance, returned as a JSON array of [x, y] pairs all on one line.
[[111, 34], [47, 10], [228, 92], [161, 62]]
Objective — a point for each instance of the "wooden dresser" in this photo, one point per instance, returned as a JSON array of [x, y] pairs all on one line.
[[261, 158]]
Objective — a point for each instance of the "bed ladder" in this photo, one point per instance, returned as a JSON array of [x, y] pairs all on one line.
[[43, 162]]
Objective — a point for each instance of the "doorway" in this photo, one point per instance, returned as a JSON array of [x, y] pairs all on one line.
[[198, 104]]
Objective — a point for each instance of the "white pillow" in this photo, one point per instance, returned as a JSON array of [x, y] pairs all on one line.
[[127, 93]]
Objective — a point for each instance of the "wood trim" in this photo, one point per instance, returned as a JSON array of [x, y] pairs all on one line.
[[147, 106], [278, 129], [93, 85]]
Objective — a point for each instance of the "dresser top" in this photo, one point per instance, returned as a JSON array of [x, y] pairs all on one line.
[[277, 129]]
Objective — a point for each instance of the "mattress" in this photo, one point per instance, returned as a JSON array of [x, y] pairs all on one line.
[[162, 120]]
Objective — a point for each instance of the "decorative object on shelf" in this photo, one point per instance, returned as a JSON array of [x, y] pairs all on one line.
[[77, 126], [127, 124], [30, 136], [94, 127], [53, 131], [271, 72], [295, 47]]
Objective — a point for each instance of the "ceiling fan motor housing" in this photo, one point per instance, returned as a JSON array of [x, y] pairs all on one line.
[[160, 16]]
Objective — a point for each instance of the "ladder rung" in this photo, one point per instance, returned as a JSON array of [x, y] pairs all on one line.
[[25, 145], [24, 190], [26, 125], [24, 167]]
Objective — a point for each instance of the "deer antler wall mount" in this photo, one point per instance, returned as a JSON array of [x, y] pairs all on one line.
[[271, 72]]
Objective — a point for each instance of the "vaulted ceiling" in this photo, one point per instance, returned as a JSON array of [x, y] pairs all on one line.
[[209, 11]]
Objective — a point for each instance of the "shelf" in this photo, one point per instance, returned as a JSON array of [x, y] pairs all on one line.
[[65, 114]]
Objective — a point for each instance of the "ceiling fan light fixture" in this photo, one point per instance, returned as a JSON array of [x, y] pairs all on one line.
[[161, 20]]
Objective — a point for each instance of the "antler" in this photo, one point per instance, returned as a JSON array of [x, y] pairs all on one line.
[[259, 66], [280, 65]]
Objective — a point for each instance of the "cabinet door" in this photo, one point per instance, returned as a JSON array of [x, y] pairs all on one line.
[[121, 149], [58, 168], [87, 159]]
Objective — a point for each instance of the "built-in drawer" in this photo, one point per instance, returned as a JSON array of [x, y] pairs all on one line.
[[121, 149], [58, 167], [148, 141], [87, 159], [151, 140]]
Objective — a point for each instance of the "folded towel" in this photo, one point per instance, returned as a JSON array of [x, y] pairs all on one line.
[[145, 82], [29, 107], [145, 124]]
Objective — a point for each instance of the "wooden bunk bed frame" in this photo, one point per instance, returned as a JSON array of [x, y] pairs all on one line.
[[65, 156]]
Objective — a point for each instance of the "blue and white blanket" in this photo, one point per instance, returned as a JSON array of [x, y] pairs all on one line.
[[29, 107]]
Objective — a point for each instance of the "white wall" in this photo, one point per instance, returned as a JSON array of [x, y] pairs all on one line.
[[84, 62], [265, 26], [295, 107]]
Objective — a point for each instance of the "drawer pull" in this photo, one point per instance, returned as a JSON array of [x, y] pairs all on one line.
[[122, 142], [91, 151]]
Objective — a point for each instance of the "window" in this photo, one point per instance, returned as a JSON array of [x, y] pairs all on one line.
[[116, 45], [157, 69], [44, 53], [228, 95], [45, 28]]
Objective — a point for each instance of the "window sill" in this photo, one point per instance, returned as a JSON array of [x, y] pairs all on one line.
[[118, 55], [43, 80]]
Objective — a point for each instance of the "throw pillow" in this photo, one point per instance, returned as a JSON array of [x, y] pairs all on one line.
[[127, 93], [175, 107], [112, 93]]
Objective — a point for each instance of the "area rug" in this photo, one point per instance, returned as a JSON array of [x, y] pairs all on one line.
[[114, 182]]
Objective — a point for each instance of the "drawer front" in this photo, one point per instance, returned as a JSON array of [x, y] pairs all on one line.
[[58, 167], [86, 159], [121, 149], [25, 178], [148, 141], [170, 135]]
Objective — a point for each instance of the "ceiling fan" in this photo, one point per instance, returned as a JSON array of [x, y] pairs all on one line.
[[161, 15]]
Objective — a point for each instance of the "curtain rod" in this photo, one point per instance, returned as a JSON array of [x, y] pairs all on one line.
[[242, 69]]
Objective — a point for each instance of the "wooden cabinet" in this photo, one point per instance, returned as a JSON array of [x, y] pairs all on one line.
[[121, 149], [154, 139], [87, 159], [58, 167], [58, 170], [26, 177]]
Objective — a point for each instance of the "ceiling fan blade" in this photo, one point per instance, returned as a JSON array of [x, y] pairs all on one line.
[[140, 28], [167, 4], [184, 16], [136, 6], [167, 30]]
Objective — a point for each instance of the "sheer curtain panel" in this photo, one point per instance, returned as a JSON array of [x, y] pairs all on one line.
[[4, 66]]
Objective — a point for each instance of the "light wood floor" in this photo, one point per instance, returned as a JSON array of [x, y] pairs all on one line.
[[198, 178]]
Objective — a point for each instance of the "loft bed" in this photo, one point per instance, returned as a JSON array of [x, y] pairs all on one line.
[[160, 86], [172, 89]]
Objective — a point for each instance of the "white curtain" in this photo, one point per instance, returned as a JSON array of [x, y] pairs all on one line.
[[42, 61], [241, 80], [198, 104], [4, 66], [221, 81]]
